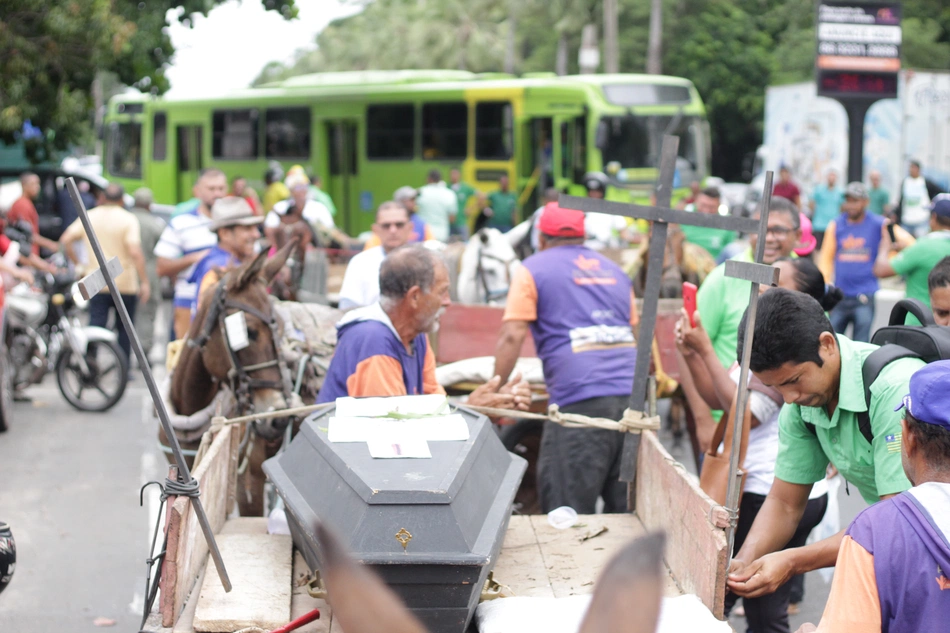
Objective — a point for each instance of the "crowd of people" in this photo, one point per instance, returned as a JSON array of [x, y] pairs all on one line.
[[809, 415]]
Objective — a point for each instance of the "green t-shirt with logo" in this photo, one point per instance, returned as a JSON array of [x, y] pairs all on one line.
[[874, 468], [712, 239], [917, 260]]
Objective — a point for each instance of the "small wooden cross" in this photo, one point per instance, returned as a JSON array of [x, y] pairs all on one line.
[[662, 216], [91, 284]]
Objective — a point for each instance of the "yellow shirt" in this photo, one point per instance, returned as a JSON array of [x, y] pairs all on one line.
[[276, 192], [118, 231]]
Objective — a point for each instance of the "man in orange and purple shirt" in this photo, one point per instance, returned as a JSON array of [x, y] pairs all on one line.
[[383, 349], [580, 309], [894, 561]]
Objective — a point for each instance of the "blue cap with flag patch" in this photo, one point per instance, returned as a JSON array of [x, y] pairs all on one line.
[[929, 397]]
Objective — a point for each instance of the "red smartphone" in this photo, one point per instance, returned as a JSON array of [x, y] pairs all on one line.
[[689, 301]]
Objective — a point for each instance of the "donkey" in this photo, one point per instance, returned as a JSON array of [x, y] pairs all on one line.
[[626, 598], [254, 372]]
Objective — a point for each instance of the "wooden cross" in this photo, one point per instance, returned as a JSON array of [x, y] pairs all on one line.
[[662, 216], [89, 286]]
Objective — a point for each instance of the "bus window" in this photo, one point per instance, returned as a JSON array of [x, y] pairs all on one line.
[[234, 134], [125, 150], [635, 141], [444, 130], [288, 132], [159, 136], [493, 130], [390, 131]]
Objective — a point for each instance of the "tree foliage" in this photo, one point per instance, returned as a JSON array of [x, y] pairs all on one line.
[[52, 50]]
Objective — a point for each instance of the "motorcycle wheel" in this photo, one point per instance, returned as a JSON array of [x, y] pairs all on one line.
[[105, 384], [6, 388]]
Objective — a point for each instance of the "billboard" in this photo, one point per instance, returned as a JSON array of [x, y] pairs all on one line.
[[859, 48]]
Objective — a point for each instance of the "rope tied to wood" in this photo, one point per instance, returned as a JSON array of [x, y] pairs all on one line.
[[631, 422]]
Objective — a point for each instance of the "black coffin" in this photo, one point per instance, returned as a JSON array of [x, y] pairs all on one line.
[[450, 511]]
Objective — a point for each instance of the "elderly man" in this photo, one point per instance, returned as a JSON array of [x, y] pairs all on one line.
[[234, 223], [151, 228], [893, 564], [383, 350], [185, 241], [579, 307], [393, 228], [118, 232]]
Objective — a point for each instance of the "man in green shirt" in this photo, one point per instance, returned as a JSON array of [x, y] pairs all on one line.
[[878, 197], [819, 374], [722, 300], [917, 260], [502, 209], [712, 239], [317, 193], [464, 192]]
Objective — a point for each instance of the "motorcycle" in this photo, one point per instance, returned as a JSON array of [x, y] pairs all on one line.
[[44, 335]]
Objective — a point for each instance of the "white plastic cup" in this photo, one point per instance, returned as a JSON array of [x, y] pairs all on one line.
[[562, 518]]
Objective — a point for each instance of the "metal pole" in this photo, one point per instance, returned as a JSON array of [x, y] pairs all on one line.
[[611, 52], [742, 396], [183, 471]]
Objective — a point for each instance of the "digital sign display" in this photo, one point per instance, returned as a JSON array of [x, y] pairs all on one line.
[[858, 84], [859, 47]]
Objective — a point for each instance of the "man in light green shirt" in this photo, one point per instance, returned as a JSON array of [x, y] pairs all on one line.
[[722, 300], [819, 374], [710, 238], [917, 260], [317, 193], [878, 197]]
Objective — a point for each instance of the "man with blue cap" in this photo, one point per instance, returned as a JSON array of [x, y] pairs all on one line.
[[893, 570]]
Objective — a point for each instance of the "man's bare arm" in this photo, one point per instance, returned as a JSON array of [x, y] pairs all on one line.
[[508, 348], [171, 267]]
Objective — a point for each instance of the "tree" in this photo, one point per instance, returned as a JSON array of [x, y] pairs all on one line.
[[51, 50]]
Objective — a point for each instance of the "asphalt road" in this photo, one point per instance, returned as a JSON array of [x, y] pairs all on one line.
[[69, 488]]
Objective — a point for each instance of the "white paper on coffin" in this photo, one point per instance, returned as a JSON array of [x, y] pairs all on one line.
[[404, 405], [400, 449], [446, 428]]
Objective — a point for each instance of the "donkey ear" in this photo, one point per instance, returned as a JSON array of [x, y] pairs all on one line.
[[628, 593], [275, 263], [361, 601], [249, 272]]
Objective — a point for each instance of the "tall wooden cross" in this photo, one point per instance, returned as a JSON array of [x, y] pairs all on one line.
[[662, 216], [89, 286]]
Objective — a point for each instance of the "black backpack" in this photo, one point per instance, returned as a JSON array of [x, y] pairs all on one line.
[[929, 342]]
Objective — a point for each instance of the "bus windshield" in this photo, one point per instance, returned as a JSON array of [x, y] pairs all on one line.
[[634, 142]]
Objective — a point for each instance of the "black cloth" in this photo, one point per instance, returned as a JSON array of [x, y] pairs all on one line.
[[577, 465], [99, 308], [769, 613]]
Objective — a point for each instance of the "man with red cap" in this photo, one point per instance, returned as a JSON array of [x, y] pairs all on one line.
[[580, 309]]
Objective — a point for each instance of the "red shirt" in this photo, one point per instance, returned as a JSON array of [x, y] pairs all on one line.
[[23, 209], [4, 244], [786, 190]]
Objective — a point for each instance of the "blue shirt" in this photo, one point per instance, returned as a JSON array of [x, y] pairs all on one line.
[[827, 205], [857, 245], [217, 258]]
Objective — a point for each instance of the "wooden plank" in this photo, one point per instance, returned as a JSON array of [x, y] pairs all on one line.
[[186, 621], [520, 564], [187, 549], [669, 499], [260, 566], [469, 331]]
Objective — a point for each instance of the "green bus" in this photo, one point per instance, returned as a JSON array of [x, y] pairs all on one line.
[[367, 133]]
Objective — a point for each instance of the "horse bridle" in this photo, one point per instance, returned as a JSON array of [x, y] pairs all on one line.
[[242, 384], [491, 295]]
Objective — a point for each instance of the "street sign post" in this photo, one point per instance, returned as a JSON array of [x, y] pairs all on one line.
[[857, 62], [91, 285], [662, 216]]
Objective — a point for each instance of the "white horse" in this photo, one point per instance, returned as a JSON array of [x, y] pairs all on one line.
[[487, 267]]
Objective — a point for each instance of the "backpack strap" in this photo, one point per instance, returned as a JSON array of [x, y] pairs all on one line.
[[873, 365]]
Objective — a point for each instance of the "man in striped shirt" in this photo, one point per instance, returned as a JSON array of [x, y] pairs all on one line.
[[186, 240]]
